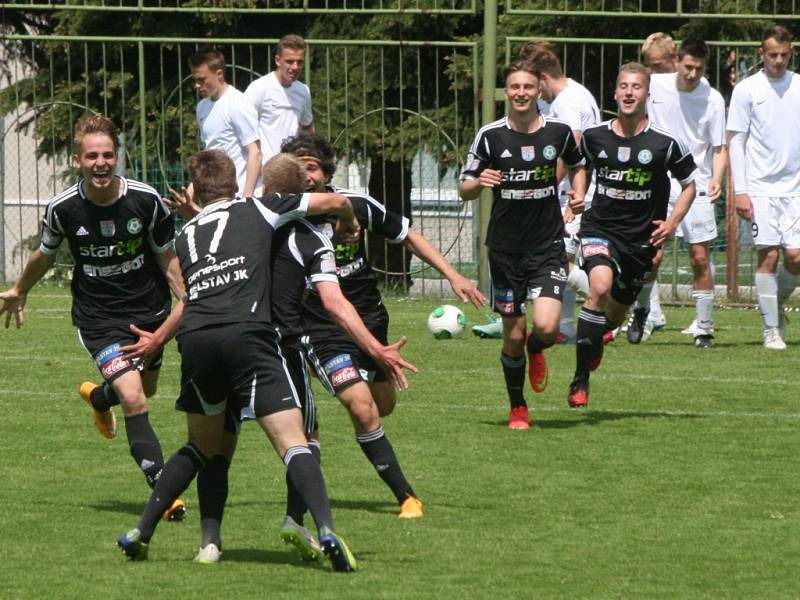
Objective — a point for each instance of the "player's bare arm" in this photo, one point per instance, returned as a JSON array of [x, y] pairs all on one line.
[[426, 252], [665, 229], [14, 299], [719, 163], [347, 318], [253, 168], [471, 188]]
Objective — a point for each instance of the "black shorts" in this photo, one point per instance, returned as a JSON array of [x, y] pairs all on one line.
[[339, 362], [517, 276], [103, 344], [239, 367], [296, 363], [631, 264]]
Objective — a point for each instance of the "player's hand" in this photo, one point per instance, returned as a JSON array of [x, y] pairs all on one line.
[[393, 364], [13, 304], [348, 232], [145, 348], [467, 291], [183, 202], [490, 178], [714, 191], [662, 232], [575, 204], [569, 216], [744, 206]]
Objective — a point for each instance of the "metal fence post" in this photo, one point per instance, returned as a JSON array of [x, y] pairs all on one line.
[[2, 205], [488, 115], [142, 115]]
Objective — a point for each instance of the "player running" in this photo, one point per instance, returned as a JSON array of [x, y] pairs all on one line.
[[120, 236], [763, 129], [517, 158], [632, 160]]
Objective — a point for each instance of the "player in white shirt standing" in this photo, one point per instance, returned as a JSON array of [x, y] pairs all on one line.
[[571, 102], [763, 130], [686, 105], [282, 103], [225, 121]]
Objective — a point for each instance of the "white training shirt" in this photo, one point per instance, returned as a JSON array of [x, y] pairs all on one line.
[[767, 111], [697, 118], [281, 111], [576, 106], [229, 124]]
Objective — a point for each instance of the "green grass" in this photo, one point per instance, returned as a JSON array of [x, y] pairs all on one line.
[[680, 480]]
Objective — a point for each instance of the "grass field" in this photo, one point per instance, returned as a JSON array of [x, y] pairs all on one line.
[[681, 480]]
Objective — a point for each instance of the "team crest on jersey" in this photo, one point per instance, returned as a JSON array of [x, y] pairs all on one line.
[[134, 225], [107, 228], [645, 156], [623, 153], [528, 152], [549, 152]]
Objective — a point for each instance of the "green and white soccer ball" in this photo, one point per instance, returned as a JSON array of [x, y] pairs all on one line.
[[446, 322]]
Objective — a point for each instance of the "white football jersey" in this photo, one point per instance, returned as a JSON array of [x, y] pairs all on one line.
[[281, 111], [229, 124], [697, 118], [768, 112]]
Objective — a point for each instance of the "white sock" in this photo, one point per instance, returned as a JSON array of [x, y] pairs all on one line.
[[767, 292], [567, 326], [786, 284], [703, 306], [643, 299], [578, 280], [655, 301]]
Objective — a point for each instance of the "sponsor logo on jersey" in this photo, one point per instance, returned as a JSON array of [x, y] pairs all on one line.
[[107, 354], [81, 231], [126, 248], [111, 361], [602, 154], [638, 176], [542, 173], [623, 153], [328, 263], [345, 375], [528, 152], [620, 194], [549, 152], [338, 362], [225, 264], [346, 252], [48, 239], [353, 267], [594, 247], [645, 156], [505, 154], [534, 194], [107, 228], [112, 270], [504, 301], [134, 225], [211, 259], [534, 292], [561, 275]]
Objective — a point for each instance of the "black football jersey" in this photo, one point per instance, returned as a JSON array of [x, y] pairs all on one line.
[[632, 188], [225, 255], [526, 213], [301, 257], [357, 279], [116, 278]]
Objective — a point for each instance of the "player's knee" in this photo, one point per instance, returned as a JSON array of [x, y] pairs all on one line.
[[133, 403], [547, 332]]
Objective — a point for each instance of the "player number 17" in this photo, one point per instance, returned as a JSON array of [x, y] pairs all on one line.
[[221, 219]]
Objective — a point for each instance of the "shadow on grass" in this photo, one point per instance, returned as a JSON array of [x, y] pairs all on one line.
[[365, 505], [286, 557], [597, 417], [119, 506]]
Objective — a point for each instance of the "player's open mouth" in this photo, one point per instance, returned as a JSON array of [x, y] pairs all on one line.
[[101, 177]]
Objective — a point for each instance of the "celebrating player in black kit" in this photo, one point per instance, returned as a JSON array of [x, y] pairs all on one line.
[[627, 223], [120, 235], [230, 357], [517, 156], [344, 368]]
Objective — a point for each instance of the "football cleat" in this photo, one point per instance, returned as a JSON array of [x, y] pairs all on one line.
[[301, 538], [578, 396], [537, 369], [493, 330], [636, 325], [411, 508], [518, 418], [563, 338], [658, 321], [595, 362], [648, 330], [610, 335], [176, 512], [132, 546], [334, 547], [691, 329], [703, 341], [773, 339], [105, 422], [208, 555]]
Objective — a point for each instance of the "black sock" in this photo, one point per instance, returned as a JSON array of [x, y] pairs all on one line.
[[175, 478], [103, 397], [589, 342], [534, 344], [212, 493], [380, 453], [295, 505], [145, 449], [514, 374], [306, 476]]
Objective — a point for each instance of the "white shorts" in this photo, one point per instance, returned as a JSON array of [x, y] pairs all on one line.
[[776, 221], [699, 225]]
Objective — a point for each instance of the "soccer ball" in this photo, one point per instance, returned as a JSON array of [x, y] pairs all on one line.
[[447, 322]]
